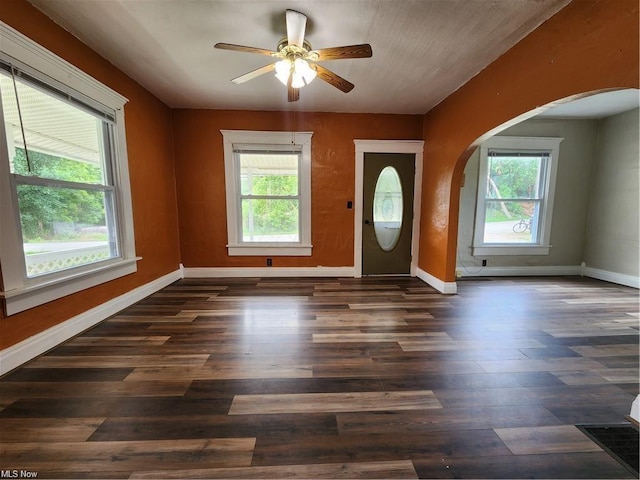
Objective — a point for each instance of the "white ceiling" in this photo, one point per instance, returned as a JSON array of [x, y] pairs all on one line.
[[597, 106], [423, 50]]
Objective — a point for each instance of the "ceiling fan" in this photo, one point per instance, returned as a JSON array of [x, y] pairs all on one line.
[[294, 53]]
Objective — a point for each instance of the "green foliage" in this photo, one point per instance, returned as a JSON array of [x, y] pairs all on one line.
[[41, 207], [513, 177], [276, 185], [271, 216], [517, 210]]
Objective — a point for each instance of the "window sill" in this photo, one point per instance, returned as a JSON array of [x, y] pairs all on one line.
[[521, 250], [270, 249], [30, 296]]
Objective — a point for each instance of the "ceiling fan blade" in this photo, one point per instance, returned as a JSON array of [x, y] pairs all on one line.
[[254, 73], [350, 51], [296, 25], [332, 78], [242, 48], [293, 94]]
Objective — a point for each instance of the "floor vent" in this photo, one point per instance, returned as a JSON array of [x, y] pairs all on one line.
[[621, 441]]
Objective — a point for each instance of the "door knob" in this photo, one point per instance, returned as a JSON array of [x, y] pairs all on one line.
[[367, 222]]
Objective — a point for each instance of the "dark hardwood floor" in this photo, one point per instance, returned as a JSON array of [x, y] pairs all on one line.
[[333, 378]]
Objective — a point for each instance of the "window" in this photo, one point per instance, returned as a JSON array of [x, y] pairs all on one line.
[[268, 183], [516, 184], [66, 210]]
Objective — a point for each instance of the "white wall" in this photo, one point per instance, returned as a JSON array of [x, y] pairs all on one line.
[[575, 166], [613, 225]]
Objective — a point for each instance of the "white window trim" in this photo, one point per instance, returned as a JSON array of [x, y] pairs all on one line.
[[551, 144], [235, 246], [20, 293]]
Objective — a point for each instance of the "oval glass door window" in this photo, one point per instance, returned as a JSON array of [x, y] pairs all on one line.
[[387, 208]]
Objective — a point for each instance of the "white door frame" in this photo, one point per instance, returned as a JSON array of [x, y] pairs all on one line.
[[387, 146]]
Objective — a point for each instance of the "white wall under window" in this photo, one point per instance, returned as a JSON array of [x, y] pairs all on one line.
[[269, 157]]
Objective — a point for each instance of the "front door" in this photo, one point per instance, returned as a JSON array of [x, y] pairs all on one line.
[[387, 213]]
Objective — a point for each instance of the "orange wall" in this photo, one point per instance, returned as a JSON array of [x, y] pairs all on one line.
[[201, 187], [149, 142], [586, 47]]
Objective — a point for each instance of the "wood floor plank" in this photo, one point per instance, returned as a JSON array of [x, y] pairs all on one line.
[[381, 369], [536, 365], [201, 426], [433, 420], [549, 439], [333, 402], [157, 388], [591, 331], [382, 470], [487, 397], [374, 337], [607, 300], [581, 378], [180, 318], [115, 361], [144, 374], [119, 341], [551, 465], [396, 305], [80, 374], [25, 430], [606, 350], [451, 344], [149, 455], [620, 375]]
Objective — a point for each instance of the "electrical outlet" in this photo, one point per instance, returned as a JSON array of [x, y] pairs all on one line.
[[484, 262], [269, 262], [458, 273]]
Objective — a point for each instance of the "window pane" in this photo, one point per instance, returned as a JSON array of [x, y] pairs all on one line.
[[387, 208], [65, 227], [63, 142], [270, 220], [513, 177], [269, 174], [511, 222]]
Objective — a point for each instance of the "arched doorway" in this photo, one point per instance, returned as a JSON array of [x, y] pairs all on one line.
[[592, 226]]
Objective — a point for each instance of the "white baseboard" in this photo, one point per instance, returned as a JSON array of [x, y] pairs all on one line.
[[448, 288], [20, 353], [549, 270], [519, 271], [635, 409], [613, 277], [244, 272]]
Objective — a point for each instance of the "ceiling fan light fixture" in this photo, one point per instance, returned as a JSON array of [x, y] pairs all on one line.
[[283, 70], [299, 70], [302, 68]]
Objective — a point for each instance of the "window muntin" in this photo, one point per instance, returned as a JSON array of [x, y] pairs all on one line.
[[387, 208], [516, 187], [60, 161], [268, 192]]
